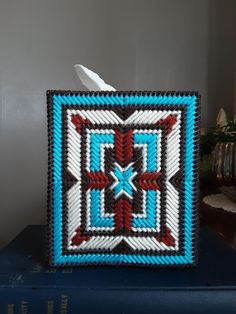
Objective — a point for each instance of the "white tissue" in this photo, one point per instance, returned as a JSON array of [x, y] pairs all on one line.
[[91, 80]]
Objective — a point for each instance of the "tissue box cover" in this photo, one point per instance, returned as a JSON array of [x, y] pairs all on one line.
[[122, 178]]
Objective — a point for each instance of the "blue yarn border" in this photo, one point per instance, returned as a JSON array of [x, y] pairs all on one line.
[[59, 100]]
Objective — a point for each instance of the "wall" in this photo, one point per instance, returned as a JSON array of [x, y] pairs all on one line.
[[221, 57], [161, 44]]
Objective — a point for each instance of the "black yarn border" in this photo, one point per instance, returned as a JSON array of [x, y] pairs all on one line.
[[66, 251], [195, 223]]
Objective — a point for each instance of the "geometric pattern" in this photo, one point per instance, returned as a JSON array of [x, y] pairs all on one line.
[[122, 177]]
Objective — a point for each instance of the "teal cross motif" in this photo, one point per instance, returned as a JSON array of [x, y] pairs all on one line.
[[123, 180]]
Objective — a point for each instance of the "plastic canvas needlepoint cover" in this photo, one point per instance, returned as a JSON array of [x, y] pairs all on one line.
[[122, 186]]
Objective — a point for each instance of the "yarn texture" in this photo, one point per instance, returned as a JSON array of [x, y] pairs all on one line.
[[122, 184]]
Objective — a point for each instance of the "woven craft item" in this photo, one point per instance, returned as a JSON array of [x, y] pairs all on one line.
[[122, 178]]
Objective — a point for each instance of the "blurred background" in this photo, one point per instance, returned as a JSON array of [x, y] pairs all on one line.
[[132, 44]]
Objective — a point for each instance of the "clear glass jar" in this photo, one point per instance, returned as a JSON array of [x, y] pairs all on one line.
[[224, 163]]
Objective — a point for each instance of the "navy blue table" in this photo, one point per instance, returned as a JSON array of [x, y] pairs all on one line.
[[27, 285]]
